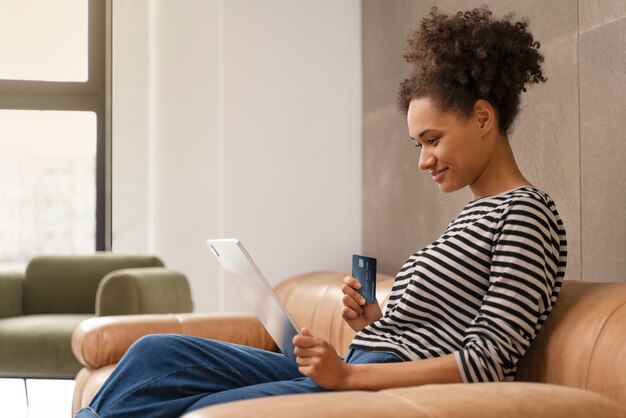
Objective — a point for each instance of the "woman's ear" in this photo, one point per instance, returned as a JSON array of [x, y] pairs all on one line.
[[484, 115]]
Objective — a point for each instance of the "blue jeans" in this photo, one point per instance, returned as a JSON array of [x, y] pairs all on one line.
[[168, 375]]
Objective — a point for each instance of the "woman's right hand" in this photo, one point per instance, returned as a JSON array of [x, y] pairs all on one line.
[[356, 311]]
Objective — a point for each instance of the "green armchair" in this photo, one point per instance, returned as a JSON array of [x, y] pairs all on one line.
[[40, 309]]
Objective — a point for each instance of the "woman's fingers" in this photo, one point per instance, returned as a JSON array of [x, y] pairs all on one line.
[[349, 314], [351, 283], [309, 347], [305, 352], [350, 302], [307, 361], [351, 293], [349, 290], [306, 341]]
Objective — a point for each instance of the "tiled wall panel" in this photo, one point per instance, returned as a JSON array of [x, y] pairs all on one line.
[[602, 47]]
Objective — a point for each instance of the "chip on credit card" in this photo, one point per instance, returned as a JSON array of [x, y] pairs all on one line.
[[364, 270]]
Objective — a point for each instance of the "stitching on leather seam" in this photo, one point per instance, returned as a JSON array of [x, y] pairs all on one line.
[[595, 343], [406, 401]]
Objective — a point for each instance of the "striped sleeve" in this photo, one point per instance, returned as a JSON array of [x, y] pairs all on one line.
[[523, 273]]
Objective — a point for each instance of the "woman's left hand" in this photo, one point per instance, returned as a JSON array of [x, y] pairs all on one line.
[[318, 360]]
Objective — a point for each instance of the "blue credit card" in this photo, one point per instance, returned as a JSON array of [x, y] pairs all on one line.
[[364, 270]]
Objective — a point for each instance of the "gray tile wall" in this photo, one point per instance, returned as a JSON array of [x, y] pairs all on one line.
[[573, 149], [602, 57]]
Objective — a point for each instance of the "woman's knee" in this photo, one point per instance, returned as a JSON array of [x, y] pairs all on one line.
[[156, 345]]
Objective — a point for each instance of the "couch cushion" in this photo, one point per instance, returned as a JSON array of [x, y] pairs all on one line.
[[11, 294], [476, 400], [609, 358], [68, 284], [583, 342], [38, 346], [507, 399]]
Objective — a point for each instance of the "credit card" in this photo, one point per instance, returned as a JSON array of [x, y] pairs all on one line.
[[364, 270]]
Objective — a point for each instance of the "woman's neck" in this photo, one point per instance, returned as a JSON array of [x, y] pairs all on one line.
[[501, 173]]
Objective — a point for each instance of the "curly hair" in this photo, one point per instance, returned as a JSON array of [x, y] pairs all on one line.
[[460, 59]]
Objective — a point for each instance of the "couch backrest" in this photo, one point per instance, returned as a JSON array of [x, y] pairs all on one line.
[[68, 284], [314, 301], [583, 343]]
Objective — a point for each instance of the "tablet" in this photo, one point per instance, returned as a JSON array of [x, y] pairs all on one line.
[[257, 292]]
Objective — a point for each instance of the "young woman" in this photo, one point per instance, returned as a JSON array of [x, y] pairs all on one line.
[[463, 309]]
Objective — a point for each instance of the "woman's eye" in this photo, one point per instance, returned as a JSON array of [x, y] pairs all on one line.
[[430, 141]]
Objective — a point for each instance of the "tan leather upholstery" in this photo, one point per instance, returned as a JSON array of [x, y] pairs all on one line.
[[482, 400], [88, 381], [99, 342], [583, 345]]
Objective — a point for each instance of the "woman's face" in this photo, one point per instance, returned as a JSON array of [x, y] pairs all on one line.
[[453, 148]]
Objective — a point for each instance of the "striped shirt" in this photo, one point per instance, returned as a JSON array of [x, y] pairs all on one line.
[[482, 291]]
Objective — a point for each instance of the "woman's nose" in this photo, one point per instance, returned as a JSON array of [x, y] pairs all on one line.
[[427, 160]]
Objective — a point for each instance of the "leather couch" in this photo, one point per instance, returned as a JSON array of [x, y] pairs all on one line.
[[575, 368]]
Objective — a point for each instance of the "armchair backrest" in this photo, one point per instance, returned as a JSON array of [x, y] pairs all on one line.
[[68, 284]]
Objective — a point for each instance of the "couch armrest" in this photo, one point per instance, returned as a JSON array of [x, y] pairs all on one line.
[[475, 400], [102, 341], [143, 291], [11, 294]]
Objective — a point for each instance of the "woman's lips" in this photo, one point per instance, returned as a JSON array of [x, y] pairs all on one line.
[[438, 175]]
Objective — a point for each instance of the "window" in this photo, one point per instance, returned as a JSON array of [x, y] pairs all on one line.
[[53, 113]]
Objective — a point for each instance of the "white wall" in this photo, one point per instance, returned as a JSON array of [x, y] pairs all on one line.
[[254, 131], [184, 131], [130, 125]]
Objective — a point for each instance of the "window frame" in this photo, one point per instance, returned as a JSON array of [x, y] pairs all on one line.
[[93, 95]]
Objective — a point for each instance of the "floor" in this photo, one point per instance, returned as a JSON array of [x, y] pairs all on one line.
[[48, 398]]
